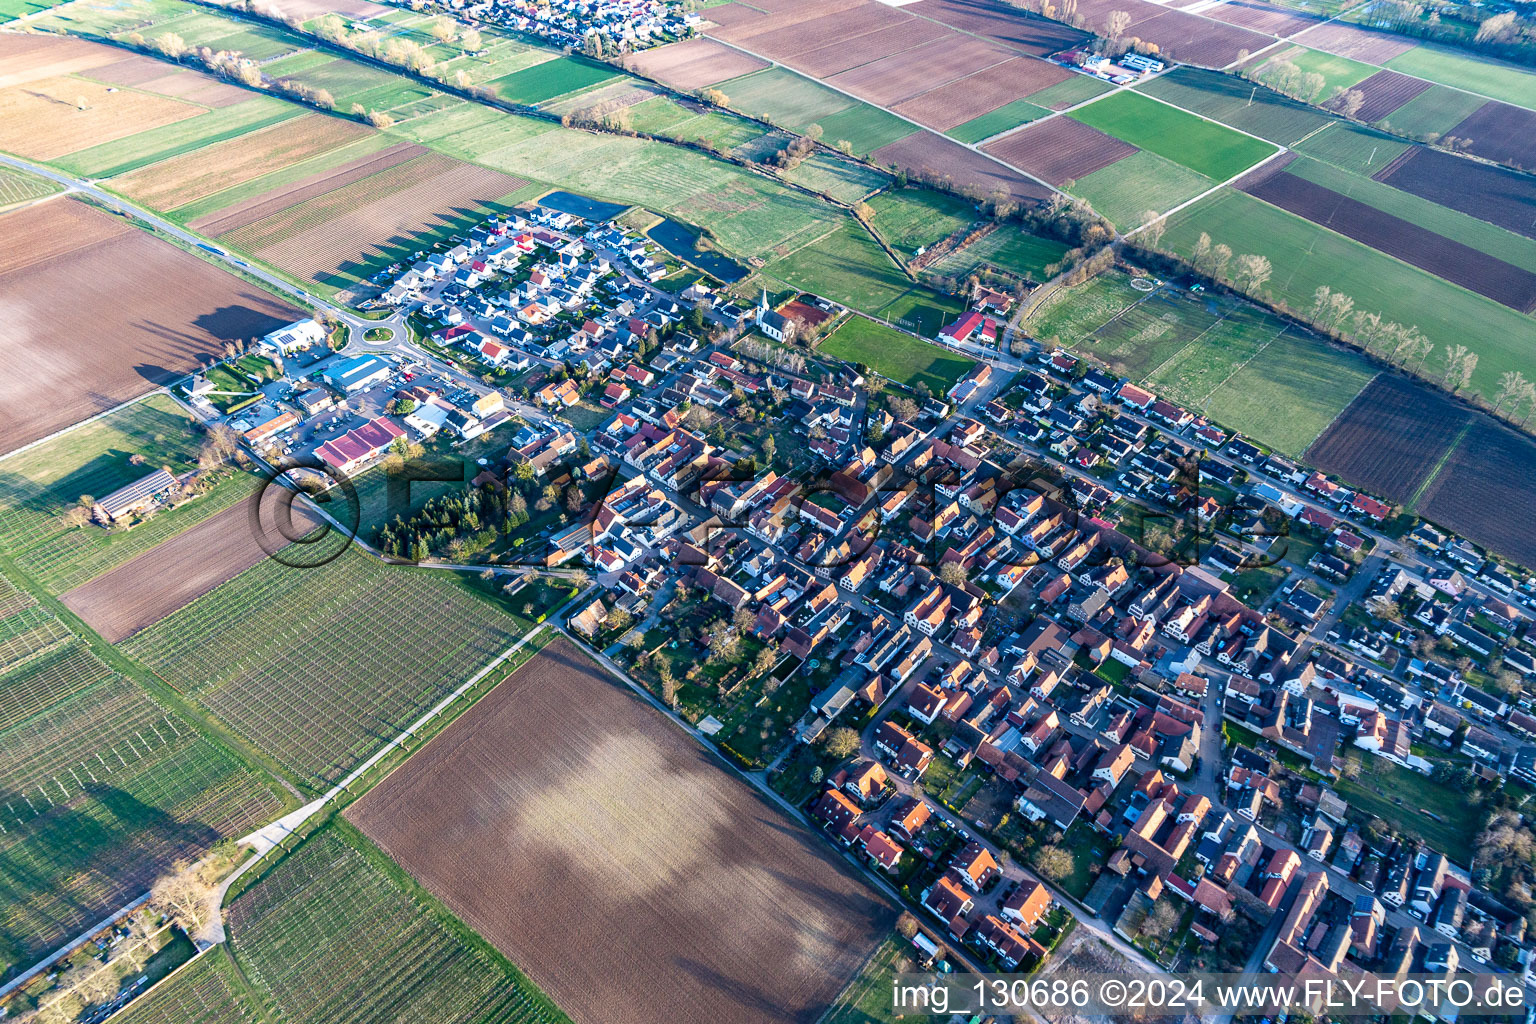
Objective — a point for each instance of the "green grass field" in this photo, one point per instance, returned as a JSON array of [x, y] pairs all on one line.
[[1338, 72], [1010, 250], [1462, 70], [783, 97], [867, 999], [838, 177], [1207, 148], [378, 627], [38, 485], [1290, 391], [1353, 148], [910, 218], [1072, 314], [1399, 797], [1436, 111], [900, 357], [552, 78], [1126, 189], [1229, 359], [205, 991], [336, 933], [864, 128], [225, 198], [1004, 118], [1230, 100], [1306, 256], [847, 265]]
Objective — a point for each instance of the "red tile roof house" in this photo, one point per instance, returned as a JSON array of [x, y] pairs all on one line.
[[948, 900], [1027, 904], [976, 866], [867, 781], [1006, 942], [880, 848], [910, 817], [838, 813], [1370, 507], [1135, 397]]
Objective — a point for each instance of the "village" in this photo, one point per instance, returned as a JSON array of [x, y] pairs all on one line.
[[1037, 680]]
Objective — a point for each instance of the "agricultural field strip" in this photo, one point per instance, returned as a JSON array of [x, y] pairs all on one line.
[[916, 125], [1387, 67]]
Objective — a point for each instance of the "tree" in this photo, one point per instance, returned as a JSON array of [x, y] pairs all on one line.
[[171, 44], [1494, 27], [1053, 862], [469, 40], [183, 897], [1329, 308], [442, 29], [1455, 359], [1250, 272], [1347, 101], [1512, 385], [580, 578], [1221, 254], [1152, 227], [841, 743], [1201, 252], [1116, 25], [668, 684], [380, 120], [903, 408], [952, 573], [770, 449]]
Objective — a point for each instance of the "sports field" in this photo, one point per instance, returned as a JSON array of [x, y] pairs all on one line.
[[337, 934], [1219, 356], [898, 356], [1307, 256], [1203, 146]]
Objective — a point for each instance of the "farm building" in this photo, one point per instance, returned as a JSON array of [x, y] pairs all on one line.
[[135, 497], [276, 425], [357, 373], [296, 337], [355, 447]]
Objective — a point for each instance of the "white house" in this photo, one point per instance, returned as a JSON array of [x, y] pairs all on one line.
[[299, 335]]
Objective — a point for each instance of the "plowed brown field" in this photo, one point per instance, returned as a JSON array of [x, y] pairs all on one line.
[[1060, 149], [148, 587], [694, 63], [1000, 23], [1385, 91], [1390, 438], [1355, 42], [1488, 193], [98, 312], [958, 101], [925, 151], [629, 874], [904, 75], [268, 203], [1502, 133]]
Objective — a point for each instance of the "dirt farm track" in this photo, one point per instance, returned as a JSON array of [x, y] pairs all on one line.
[[96, 312], [617, 863]]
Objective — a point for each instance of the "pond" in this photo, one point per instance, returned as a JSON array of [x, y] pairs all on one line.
[[581, 206], [683, 242]]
